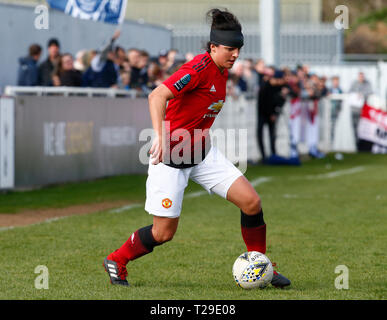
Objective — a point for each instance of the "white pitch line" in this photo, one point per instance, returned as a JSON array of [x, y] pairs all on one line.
[[49, 220], [258, 181], [6, 228], [127, 207], [336, 174], [138, 205], [191, 195], [291, 196], [196, 194]]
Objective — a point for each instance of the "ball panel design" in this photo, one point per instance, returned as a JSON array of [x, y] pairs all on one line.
[[252, 270]]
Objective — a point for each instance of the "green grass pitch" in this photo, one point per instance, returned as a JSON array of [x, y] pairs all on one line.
[[320, 215]]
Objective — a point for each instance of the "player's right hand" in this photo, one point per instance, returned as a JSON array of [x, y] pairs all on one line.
[[156, 151]]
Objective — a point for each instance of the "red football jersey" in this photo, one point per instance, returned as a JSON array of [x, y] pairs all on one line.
[[199, 90]]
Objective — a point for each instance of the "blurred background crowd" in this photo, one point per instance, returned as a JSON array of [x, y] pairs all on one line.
[[113, 66]]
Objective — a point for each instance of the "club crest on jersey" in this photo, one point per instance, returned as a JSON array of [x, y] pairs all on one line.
[[180, 84], [216, 106], [166, 203]]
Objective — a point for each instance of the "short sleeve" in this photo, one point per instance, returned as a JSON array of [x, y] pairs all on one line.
[[183, 80]]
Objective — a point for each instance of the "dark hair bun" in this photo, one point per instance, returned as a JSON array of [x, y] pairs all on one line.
[[223, 20]]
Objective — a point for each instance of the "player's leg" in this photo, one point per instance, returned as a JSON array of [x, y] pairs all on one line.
[[165, 190], [164, 229], [143, 240], [220, 176], [253, 226]]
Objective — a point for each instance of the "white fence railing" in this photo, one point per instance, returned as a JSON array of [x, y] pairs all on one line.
[[375, 73], [337, 132], [71, 91]]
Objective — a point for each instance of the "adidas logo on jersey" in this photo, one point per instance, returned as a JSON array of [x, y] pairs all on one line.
[[213, 89]]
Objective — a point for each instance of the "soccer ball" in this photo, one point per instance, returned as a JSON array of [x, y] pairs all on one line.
[[252, 270]]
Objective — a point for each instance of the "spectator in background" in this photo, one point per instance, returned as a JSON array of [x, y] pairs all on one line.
[[143, 66], [361, 86], [65, 74], [232, 88], [133, 65], [119, 58], [189, 56], [102, 72], [238, 72], [79, 63], [133, 57], [322, 87], [88, 57], [139, 73], [155, 76], [271, 98], [47, 67], [251, 78], [260, 69], [311, 95], [126, 65], [306, 68], [335, 86], [163, 60], [335, 103], [28, 73], [294, 85], [171, 63], [124, 82]]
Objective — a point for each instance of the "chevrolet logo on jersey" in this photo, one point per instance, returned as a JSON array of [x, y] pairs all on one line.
[[216, 106]]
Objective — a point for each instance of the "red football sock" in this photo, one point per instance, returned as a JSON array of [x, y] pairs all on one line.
[[255, 238], [140, 243], [254, 231]]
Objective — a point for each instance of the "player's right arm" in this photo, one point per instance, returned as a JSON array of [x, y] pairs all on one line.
[[182, 81], [158, 99]]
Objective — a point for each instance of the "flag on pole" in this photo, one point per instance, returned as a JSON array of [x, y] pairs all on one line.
[[109, 11]]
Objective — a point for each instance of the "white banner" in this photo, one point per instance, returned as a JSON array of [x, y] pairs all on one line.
[[7, 143], [373, 125], [109, 11]]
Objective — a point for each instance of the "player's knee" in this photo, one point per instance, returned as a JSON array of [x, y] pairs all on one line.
[[162, 236], [252, 205]]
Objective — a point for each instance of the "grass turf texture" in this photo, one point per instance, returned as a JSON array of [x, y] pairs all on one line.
[[314, 224]]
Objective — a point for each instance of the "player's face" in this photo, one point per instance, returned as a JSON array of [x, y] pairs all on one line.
[[223, 56]]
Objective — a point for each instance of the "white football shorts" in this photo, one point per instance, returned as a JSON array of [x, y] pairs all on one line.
[[165, 185]]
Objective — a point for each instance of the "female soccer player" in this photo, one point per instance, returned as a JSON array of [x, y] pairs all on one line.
[[195, 94]]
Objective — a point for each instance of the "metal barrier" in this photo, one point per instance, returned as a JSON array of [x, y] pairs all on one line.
[[55, 135], [312, 43], [51, 136]]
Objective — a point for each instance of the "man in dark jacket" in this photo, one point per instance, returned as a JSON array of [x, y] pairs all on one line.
[[270, 102], [47, 67], [28, 67]]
